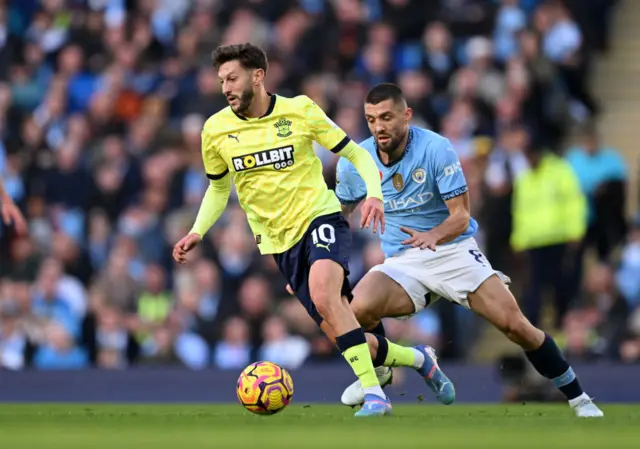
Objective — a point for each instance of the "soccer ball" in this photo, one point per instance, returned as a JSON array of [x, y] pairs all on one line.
[[264, 388]]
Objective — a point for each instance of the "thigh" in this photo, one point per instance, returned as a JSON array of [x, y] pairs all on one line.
[[398, 286], [494, 302], [322, 257], [378, 295], [328, 245], [294, 266], [457, 270]]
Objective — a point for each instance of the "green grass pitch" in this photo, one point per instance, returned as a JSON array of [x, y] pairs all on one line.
[[314, 427]]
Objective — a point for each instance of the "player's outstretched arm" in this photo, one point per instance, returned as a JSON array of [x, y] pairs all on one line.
[[372, 208], [216, 197], [213, 205], [330, 136]]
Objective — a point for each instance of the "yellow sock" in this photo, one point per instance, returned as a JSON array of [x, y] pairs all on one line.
[[402, 356], [360, 360]]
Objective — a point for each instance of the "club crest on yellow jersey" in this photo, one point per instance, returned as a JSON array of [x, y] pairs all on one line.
[[284, 127], [279, 158]]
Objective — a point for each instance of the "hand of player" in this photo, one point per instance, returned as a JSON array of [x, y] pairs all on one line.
[[372, 214], [422, 240], [186, 244], [290, 290], [11, 214]]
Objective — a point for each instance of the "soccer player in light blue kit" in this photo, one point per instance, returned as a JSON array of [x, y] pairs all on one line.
[[429, 246]]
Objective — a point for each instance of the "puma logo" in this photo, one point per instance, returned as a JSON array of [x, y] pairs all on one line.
[[320, 245], [231, 136]]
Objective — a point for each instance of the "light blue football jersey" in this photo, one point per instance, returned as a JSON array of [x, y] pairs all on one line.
[[415, 187]]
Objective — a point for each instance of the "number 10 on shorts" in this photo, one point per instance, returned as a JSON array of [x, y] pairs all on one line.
[[323, 236]]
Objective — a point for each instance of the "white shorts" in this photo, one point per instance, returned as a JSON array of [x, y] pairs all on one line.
[[451, 272]]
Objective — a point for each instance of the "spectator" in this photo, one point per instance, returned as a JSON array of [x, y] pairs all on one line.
[[49, 305], [110, 346], [118, 285], [66, 286], [59, 350], [510, 20], [255, 301], [280, 347], [13, 339], [74, 261], [490, 83], [425, 326], [439, 62], [417, 88], [200, 302], [602, 174], [628, 283], [581, 338], [563, 45], [233, 351], [549, 221], [192, 350], [506, 162], [99, 239], [160, 348], [607, 309], [153, 305], [547, 101]]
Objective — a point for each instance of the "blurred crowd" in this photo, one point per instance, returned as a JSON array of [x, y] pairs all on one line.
[[101, 107]]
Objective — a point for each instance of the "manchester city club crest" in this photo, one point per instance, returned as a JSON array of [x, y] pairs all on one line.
[[284, 127], [419, 176], [397, 181]]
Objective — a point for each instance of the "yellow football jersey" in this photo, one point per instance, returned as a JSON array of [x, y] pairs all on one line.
[[277, 174]]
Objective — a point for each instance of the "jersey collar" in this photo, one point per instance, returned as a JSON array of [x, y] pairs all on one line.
[[404, 153], [272, 105]]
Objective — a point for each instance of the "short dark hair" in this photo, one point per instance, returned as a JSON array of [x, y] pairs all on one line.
[[250, 56], [385, 91]]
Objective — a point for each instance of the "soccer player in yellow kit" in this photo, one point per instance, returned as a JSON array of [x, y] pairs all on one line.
[[264, 142]]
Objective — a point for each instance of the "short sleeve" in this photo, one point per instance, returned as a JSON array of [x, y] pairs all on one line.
[[350, 187], [214, 165], [323, 129], [448, 171]]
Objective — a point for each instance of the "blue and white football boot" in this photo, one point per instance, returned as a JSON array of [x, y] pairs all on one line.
[[374, 405], [434, 377], [353, 395]]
